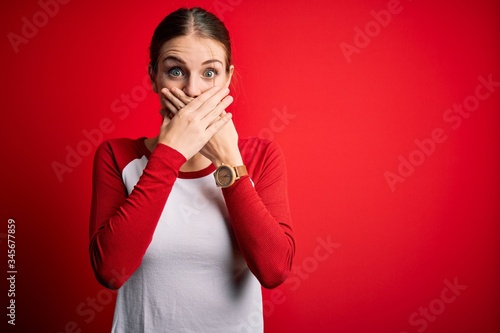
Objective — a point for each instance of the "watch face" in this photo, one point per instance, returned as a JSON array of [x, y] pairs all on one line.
[[224, 176]]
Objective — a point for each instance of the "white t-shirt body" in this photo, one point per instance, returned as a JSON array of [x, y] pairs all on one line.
[[193, 277]]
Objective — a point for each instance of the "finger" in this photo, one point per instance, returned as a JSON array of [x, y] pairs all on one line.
[[171, 108], [181, 95], [173, 99], [212, 107], [222, 113], [165, 122], [208, 99], [218, 124], [165, 113], [217, 112]]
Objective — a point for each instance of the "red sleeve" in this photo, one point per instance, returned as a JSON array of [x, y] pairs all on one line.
[[121, 226], [260, 219]]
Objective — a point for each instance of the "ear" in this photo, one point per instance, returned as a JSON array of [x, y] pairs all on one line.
[[151, 77], [230, 76]]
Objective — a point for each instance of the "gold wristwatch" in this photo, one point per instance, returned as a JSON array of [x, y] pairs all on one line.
[[226, 175]]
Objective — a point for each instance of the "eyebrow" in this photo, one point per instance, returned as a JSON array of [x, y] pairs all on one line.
[[179, 60]]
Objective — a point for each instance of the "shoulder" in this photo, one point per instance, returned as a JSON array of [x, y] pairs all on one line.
[[121, 142], [120, 151], [258, 147], [261, 157]]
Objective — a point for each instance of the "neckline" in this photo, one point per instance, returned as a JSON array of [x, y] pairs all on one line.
[[197, 174], [182, 174]]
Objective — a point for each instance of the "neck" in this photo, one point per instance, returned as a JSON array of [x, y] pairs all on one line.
[[195, 163]]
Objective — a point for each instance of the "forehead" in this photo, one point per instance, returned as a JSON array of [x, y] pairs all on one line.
[[193, 50]]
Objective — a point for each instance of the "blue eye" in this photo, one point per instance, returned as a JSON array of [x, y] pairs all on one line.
[[175, 72], [210, 73]]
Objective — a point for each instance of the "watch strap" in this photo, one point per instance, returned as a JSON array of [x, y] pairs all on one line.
[[241, 171]]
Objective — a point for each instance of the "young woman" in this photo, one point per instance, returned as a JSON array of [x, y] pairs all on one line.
[[190, 224]]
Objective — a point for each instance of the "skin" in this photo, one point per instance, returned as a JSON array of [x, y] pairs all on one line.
[[192, 84]]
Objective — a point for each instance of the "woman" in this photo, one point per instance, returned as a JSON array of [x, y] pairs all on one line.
[[187, 253]]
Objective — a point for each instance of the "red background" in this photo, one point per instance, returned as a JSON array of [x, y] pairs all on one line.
[[394, 250]]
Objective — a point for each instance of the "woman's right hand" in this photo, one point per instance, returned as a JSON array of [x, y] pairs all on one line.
[[193, 126]]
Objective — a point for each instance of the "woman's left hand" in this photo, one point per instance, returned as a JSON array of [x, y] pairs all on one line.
[[223, 146]]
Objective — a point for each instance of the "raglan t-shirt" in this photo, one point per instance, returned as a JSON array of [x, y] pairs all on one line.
[[185, 255]]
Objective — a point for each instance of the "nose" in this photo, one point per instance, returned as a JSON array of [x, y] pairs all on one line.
[[192, 87]]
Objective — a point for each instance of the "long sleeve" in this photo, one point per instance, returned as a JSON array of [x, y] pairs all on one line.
[[122, 226], [260, 217]]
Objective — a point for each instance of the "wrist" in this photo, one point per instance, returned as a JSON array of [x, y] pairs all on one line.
[[226, 175], [232, 160]]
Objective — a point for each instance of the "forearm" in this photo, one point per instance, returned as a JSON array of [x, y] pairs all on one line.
[[265, 239], [121, 235]]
